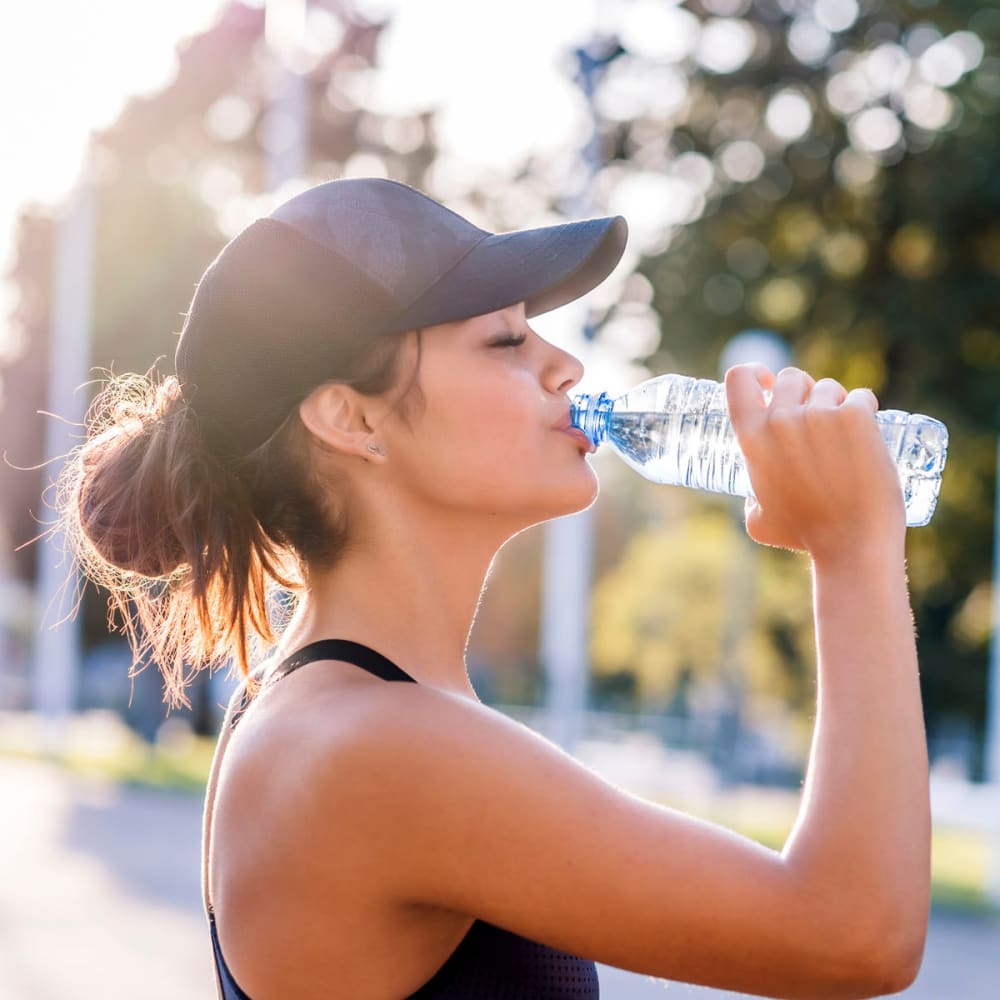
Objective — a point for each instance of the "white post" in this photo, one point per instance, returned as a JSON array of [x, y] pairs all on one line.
[[56, 652], [565, 623], [769, 349]]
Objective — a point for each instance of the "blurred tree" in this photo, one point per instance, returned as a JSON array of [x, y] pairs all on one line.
[[178, 174], [830, 169], [825, 168], [659, 613]]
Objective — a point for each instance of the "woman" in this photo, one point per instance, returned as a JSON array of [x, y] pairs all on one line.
[[363, 412]]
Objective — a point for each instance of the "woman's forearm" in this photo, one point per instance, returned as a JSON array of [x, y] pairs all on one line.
[[863, 831]]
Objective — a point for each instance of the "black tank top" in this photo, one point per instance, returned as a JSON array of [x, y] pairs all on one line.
[[489, 963]]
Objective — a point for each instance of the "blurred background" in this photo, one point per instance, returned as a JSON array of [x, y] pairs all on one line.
[[821, 174]]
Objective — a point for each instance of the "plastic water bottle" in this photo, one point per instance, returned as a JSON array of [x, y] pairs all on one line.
[[675, 430]]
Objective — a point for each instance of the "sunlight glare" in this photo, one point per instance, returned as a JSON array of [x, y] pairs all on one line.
[[655, 30], [81, 88], [68, 70], [498, 103]]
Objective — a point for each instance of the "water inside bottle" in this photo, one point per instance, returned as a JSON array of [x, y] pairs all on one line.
[[697, 450]]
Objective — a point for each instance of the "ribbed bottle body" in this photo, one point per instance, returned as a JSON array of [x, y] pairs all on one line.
[[675, 430]]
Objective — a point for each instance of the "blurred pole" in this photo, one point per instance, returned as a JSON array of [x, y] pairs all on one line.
[[565, 625], [991, 752], [568, 541], [741, 583], [56, 653], [286, 128]]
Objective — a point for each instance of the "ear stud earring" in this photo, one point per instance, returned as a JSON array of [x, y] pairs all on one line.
[[374, 448]]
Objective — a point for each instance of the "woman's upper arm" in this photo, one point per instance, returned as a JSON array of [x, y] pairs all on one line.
[[459, 807]]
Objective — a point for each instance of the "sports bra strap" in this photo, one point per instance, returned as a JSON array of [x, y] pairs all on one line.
[[329, 649], [347, 651]]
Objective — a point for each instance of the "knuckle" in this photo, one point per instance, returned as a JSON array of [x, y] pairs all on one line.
[[822, 414], [858, 417], [783, 420]]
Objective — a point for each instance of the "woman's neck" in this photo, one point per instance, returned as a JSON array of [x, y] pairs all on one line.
[[413, 598]]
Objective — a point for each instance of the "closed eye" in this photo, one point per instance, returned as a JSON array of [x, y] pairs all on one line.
[[509, 340]]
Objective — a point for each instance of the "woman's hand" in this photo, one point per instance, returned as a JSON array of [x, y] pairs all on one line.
[[823, 479]]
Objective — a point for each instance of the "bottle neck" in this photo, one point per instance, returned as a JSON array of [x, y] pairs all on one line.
[[592, 415]]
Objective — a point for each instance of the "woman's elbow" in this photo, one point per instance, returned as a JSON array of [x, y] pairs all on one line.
[[866, 953], [891, 959]]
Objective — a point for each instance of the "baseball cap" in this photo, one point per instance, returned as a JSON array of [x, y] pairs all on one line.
[[293, 297]]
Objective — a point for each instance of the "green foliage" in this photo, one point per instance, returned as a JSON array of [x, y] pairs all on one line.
[[692, 600], [877, 260]]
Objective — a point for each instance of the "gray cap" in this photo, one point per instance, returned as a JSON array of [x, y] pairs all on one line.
[[295, 295]]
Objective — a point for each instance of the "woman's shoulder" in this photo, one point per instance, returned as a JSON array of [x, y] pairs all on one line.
[[328, 728], [314, 767]]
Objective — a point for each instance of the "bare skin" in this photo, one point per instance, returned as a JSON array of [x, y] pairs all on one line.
[[356, 828]]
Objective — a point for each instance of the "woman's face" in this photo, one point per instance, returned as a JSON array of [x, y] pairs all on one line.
[[485, 437]]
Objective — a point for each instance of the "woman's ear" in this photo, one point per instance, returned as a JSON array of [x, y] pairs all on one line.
[[339, 417]]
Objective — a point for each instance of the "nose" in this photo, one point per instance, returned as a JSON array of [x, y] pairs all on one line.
[[563, 370]]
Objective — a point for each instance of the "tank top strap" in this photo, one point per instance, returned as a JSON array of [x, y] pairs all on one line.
[[327, 649]]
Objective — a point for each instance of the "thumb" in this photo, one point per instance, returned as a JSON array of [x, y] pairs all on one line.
[[751, 517], [764, 531]]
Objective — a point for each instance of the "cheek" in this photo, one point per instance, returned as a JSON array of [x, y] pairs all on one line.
[[486, 418], [495, 455], [471, 437], [485, 443], [484, 440]]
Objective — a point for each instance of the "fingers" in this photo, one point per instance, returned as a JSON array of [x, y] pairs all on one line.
[[792, 388], [864, 398], [746, 386], [827, 392], [807, 448], [752, 388]]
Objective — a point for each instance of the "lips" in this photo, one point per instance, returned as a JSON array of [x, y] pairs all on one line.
[[566, 426]]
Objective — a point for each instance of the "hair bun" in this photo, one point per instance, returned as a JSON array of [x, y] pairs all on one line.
[[132, 496]]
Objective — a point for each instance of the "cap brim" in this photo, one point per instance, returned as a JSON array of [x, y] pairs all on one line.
[[544, 268]]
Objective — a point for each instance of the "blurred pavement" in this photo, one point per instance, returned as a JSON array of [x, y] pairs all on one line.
[[100, 897]]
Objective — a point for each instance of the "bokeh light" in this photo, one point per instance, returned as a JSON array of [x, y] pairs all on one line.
[[725, 44]]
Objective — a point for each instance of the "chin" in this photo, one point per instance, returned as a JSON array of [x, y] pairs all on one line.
[[573, 501], [560, 497]]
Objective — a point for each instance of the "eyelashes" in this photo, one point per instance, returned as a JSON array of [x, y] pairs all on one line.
[[510, 340]]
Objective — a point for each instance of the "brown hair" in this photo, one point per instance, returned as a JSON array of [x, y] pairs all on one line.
[[192, 547]]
